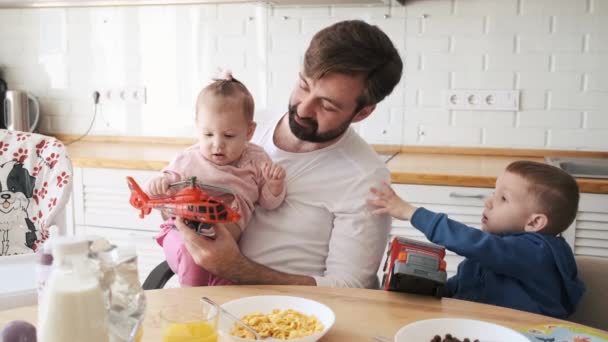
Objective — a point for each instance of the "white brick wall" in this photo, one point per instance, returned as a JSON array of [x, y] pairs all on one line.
[[553, 51], [550, 119], [554, 7], [483, 119], [597, 120], [516, 137]]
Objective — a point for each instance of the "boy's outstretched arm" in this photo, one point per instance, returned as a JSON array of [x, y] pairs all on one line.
[[511, 255], [507, 255]]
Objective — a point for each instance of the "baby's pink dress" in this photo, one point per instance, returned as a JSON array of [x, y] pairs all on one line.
[[244, 177]]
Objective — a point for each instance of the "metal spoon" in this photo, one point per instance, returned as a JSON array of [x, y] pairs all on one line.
[[232, 317], [382, 339]]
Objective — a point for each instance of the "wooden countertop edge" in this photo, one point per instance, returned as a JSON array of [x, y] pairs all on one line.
[[507, 152], [68, 138], [149, 165], [439, 179], [380, 148], [585, 185]]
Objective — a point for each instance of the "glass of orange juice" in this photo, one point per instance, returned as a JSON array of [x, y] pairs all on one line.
[[182, 323]]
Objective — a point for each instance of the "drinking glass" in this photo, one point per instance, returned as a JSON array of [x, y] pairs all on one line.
[[183, 323]]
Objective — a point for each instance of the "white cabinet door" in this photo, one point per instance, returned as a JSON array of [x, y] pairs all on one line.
[[101, 207], [101, 198], [590, 233], [462, 204], [149, 253]]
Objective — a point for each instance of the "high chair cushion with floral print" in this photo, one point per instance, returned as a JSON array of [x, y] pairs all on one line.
[[35, 185]]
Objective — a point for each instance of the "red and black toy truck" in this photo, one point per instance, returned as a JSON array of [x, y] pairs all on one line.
[[415, 267]]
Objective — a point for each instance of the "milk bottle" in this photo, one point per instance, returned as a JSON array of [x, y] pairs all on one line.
[[73, 307]]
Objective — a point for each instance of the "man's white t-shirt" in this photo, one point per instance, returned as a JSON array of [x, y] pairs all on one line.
[[324, 228]]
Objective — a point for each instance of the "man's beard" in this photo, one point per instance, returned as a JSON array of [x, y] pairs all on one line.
[[310, 133]]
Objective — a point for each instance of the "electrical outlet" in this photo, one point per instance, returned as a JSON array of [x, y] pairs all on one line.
[[488, 100], [123, 95], [134, 94]]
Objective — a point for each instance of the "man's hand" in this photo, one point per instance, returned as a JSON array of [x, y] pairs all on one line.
[[215, 255], [223, 258], [386, 201], [275, 177], [158, 186]]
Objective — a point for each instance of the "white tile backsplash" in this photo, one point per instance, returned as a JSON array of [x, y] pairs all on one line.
[[551, 42], [483, 119], [550, 119], [598, 42], [453, 25], [580, 62], [580, 24], [483, 80], [532, 99], [578, 138], [484, 43], [430, 7], [514, 137], [451, 62], [483, 7], [529, 24], [518, 62], [598, 80], [597, 119], [553, 51], [572, 81], [450, 135], [428, 43], [554, 7], [579, 100]]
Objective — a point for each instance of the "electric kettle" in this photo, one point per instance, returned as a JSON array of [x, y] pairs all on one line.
[[21, 111], [2, 92]]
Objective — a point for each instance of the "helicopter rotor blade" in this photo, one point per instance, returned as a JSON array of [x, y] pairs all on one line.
[[181, 183], [203, 186], [215, 188]]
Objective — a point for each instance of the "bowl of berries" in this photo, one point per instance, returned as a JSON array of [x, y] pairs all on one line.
[[457, 330]]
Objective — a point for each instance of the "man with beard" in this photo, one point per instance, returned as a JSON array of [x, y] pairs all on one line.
[[323, 234]]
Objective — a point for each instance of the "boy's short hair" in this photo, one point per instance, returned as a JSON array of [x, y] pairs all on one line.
[[232, 89], [555, 191], [356, 48]]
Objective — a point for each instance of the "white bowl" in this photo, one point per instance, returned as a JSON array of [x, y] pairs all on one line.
[[265, 304], [424, 331]]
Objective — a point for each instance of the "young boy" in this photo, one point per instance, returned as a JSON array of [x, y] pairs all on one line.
[[517, 259]]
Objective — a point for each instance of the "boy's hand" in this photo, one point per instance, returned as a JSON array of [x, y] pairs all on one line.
[[158, 186], [386, 201], [275, 177]]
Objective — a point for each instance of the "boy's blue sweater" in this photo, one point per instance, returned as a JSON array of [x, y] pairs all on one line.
[[526, 271]]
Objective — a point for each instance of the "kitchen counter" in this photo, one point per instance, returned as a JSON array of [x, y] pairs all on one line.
[[451, 166]]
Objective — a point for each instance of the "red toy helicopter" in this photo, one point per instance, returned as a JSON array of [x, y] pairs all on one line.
[[192, 202]]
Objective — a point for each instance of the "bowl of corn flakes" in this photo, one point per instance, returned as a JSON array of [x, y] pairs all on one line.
[[276, 318]]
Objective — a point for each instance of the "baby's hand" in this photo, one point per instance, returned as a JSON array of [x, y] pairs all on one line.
[[158, 186], [275, 177], [386, 201], [273, 171]]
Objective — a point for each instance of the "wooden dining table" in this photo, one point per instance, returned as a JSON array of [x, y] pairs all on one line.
[[361, 314]]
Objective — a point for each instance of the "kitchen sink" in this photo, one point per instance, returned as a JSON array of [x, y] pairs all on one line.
[[581, 167]]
